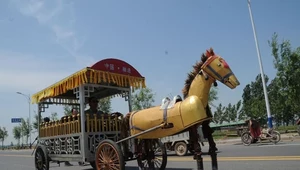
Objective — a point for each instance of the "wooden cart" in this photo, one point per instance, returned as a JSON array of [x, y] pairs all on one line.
[[91, 137]]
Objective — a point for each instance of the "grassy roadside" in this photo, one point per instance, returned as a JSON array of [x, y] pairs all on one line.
[[232, 134]]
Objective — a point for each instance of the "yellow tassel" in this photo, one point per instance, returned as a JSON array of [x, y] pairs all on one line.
[[95, 76], [104, 77]]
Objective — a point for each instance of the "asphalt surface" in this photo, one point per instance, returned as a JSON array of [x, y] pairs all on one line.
[[265, 156]]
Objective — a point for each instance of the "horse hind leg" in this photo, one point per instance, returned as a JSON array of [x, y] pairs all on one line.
[[194, 138]]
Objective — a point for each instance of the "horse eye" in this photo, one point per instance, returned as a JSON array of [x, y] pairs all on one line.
[[219, 64]]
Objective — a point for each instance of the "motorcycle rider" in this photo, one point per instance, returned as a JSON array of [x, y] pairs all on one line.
[[254, 127]]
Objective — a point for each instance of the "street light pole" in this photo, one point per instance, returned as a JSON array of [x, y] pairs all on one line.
[[29, 122], [261, 69]]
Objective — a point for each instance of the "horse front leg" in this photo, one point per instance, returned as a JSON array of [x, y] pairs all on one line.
[[207, 132], [194, 139]]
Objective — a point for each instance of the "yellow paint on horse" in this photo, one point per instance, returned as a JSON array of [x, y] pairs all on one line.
[[184, 114], [201, 87], [190, 111]]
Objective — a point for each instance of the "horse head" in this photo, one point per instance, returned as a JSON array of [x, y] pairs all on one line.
[[217, 68]]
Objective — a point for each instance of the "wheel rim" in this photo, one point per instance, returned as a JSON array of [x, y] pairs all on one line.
[[40, 161], [108, 158], [246, 139], [181, 149], [154, 155], [275, 137]]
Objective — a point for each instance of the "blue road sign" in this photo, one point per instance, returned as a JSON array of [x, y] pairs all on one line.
[[16, 120]]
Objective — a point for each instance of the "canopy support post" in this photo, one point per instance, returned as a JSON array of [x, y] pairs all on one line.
[[82, 121]]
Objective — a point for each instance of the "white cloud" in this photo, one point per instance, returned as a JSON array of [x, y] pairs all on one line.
[[27, 72], [58, 16], [25, 80]]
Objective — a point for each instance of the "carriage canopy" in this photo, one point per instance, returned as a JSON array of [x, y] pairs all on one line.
[[110, 72]]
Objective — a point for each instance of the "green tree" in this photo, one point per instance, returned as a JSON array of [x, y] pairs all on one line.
[[3, 135], [253, 100], [232, 112], [142, 99], [105, 105], [17, 131], [287, 63], [213, 95], [227, 114], [25, 129], [277, 101], [67, 110], [35, 122], [53, 116], [238, 110], [219, 114]]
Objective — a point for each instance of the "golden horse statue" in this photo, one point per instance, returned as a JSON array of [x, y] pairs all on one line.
[[188, 114]]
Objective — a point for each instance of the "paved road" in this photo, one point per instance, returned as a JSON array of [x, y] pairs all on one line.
[[283, 156]]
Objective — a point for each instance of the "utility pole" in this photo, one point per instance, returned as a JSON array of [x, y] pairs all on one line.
[[261, 69]]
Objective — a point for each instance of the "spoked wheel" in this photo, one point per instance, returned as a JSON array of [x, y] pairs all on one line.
[[41, 159], [275, 137], [109, 156], [246, 138], [152, 155]]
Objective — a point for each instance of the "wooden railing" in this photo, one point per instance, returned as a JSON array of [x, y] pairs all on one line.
[[71, 124], [102, 123]]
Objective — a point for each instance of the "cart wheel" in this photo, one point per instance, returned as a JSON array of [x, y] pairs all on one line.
[[181, 148], [246, 138], [41, 159], [109, 156], [152, 154]]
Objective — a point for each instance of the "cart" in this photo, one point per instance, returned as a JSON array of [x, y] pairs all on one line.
[[94, 138]]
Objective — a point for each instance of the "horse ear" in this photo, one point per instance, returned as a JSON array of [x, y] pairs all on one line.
[[207, 53], [210, 52]]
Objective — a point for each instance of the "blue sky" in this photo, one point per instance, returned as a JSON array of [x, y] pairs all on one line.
[[41, 42]]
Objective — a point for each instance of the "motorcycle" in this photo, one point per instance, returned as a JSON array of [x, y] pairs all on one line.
[[266, 134], [298, 123]]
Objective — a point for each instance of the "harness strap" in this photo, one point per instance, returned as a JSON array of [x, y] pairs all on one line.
[[165, 113], [222, 79], [131, 125]]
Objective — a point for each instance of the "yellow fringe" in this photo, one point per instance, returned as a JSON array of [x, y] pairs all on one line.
[[94, 77]]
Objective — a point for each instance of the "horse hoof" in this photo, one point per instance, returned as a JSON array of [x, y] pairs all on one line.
[[212, 150]]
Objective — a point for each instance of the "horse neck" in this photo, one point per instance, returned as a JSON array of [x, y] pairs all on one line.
[[201, 87]]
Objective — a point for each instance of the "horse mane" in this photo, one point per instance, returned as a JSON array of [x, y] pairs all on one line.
[[195, 71]]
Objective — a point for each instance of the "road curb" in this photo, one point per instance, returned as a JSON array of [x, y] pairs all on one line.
[[238, 140], [248, 158]]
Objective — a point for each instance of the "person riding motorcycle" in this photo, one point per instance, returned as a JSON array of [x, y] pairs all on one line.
[[254, 127]]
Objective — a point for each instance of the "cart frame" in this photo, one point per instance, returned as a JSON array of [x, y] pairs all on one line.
[[79, 137]]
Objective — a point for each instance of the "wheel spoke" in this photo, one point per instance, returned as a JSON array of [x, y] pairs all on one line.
[[115, 166], [157, 163], [108, 157], [153, 154]]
